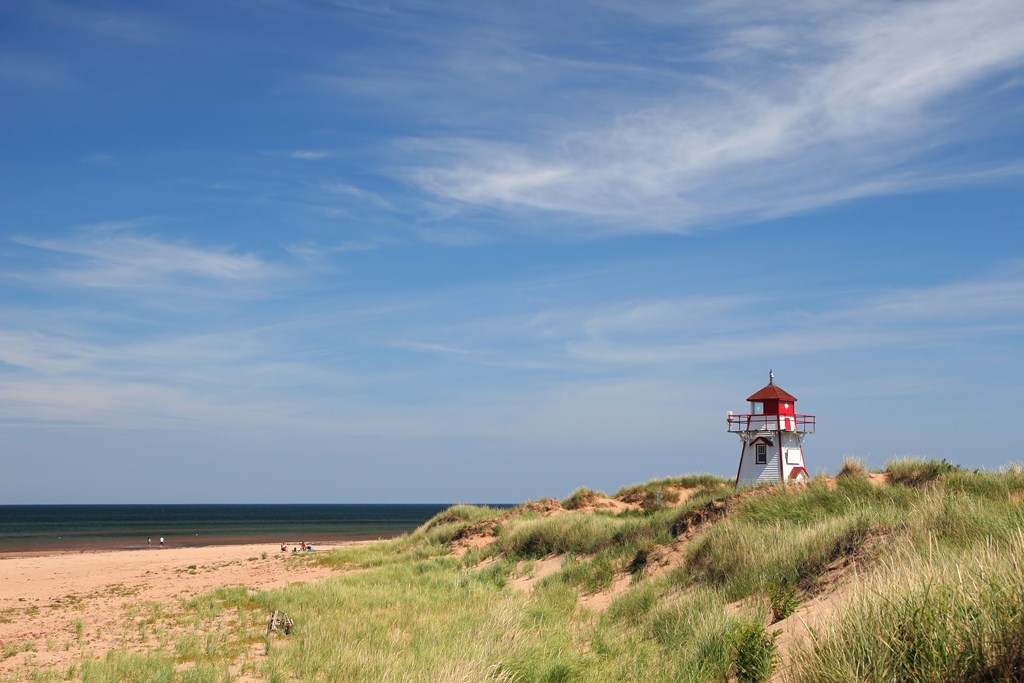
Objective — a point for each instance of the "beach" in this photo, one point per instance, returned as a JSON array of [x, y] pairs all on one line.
[[56, 608]]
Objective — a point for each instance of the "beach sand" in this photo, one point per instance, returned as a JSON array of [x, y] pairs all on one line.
[[57, 608]]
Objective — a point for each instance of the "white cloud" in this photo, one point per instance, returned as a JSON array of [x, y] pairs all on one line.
[[107, 257], [536, 372], [311, 251], [29, 70], [434, 348], [310, 154], [350, 191], [997, 298], [128, 26], [843, 116], [687, 332]]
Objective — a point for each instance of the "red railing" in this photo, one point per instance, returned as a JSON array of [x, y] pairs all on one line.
[[771, 423]]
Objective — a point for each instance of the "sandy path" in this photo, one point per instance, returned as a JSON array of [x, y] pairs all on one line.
[[55, 607]]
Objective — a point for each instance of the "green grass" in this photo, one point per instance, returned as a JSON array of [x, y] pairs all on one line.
[[951, 617], [581, 497], [542, 536], [938, 593], [853, 467], [919, 471], [659, 493]]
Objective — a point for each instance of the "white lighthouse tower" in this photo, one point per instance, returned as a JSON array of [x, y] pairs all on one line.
[[773, 438]]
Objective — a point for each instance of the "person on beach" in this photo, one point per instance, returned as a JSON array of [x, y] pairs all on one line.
[[161, 541], [149, 541], [284, 548]]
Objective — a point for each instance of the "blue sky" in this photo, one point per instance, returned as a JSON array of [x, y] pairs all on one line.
[[342, 251]]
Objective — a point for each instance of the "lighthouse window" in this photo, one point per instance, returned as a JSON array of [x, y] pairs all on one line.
[[760, 454], [757, 407]]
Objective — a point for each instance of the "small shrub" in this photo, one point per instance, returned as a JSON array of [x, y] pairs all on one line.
[[459, 514], [638, 564], [919, 471], [754, 652], [581, 497], [853, 467], [784, 598], [662, 492], [649, 496]]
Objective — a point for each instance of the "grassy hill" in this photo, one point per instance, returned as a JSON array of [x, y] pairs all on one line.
[[906, 575]]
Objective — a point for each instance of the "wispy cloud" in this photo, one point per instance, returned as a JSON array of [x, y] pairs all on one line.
[[31, 71], [99, 159], [531, 361], [996, 299], [125, 25], [109, 257], [946, 314], [688, 332], [433, 348], [310, 154], [312, 251], [846, 115], [351, 192]]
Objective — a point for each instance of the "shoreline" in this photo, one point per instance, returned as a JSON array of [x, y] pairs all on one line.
[[45, 549]]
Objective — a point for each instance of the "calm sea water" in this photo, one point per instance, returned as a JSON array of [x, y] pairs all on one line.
[[93, 527]]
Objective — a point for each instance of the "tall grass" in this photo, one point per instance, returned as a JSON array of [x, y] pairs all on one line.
[[581, 497], [943, 597], [918, 471], [742, 559], [852, 467], [572, 533], [950, 617], [415, 621], [658, 493]]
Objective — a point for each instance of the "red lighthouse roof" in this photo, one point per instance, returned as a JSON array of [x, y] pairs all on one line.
[[772, 392]]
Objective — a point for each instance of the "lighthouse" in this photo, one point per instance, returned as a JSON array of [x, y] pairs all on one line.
[[773, 438]]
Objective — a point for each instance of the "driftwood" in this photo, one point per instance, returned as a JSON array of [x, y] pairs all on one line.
[[279, 621]]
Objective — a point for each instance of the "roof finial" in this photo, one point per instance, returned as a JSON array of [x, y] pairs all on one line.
[[771, 378]]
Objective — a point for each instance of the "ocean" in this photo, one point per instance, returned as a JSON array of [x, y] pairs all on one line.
[[46, 528]]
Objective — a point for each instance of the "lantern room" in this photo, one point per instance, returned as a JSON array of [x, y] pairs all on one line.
[[772, 400]]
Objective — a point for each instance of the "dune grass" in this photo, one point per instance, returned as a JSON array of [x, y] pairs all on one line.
[[939, 594], [581, 497], [852, 467], [918, 471], [657, 493], [949, 617]]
